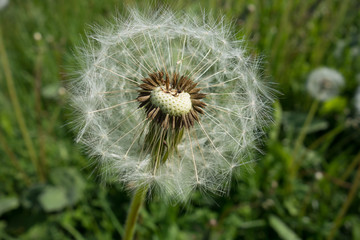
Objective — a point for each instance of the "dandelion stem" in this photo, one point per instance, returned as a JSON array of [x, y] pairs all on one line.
[[302, 135], [305, 127], [132, 216]]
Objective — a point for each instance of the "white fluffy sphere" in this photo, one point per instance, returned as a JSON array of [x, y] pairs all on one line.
[[324, 83], [229, 99]]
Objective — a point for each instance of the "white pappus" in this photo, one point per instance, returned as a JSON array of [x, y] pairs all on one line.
[[169, 101], [324, 83]]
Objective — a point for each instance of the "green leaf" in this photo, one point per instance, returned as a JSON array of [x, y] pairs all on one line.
[[8, 203], [53, 198], [335, 105], [292, 205], [71, 180], [282, 229], [51, 90], [356, 230]]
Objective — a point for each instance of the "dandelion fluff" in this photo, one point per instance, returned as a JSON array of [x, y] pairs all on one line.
[[169, 101], [3, 4], [324, 83]]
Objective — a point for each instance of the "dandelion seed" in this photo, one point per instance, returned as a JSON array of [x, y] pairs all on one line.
[[324, 83], [170, 102]]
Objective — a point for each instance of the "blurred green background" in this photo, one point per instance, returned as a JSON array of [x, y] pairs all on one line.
[[305, 192]]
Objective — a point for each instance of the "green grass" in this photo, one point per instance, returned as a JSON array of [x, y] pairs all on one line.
[[49, 189]]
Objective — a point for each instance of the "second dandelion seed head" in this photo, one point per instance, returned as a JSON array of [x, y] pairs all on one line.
[[324, 83]]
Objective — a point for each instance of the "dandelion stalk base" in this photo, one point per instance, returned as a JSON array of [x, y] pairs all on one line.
[[133, 213]]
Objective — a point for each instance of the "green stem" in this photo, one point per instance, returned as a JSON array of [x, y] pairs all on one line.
[[327, 137], [351, 167], [17, 108], [161, 144], [132, 216], [294, 165], [302, 135], [13, 159], [339, 219], [304, 129], [39, 110], [75, 233]]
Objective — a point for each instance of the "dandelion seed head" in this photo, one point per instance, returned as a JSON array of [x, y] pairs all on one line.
[[170, 101], [324, 83], [3, 4]]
